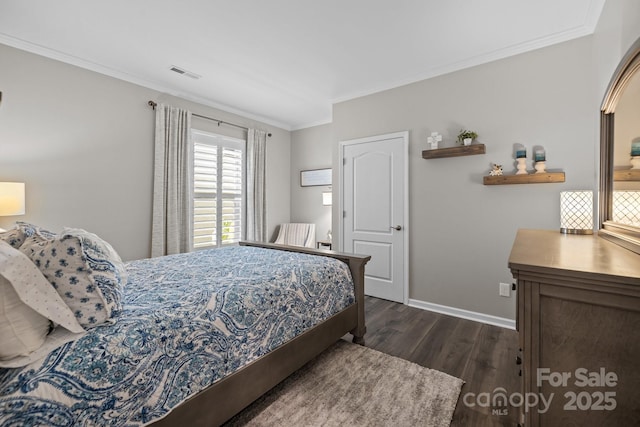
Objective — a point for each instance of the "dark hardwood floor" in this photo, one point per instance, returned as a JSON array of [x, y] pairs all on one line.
[[481, 355]]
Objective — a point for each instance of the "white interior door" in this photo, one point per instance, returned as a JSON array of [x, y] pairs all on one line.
[[374, 205]]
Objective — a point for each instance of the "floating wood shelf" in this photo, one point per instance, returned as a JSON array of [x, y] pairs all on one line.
[[532, 178], [460, 150], [626, 175]]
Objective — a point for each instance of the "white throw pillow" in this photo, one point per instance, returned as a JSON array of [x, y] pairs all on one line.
[[29, 305], [22, 329]]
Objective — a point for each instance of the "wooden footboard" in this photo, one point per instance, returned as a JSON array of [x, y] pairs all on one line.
[[216, 404]]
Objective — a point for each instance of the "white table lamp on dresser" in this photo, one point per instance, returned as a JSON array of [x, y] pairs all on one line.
[[11, 199]]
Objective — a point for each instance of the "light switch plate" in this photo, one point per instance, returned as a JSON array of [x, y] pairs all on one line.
[[505, 289]]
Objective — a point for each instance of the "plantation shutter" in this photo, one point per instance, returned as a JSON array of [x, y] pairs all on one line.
[[232, 181], [219, 175]]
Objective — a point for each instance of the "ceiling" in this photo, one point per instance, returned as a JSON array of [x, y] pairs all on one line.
[[285, 62]]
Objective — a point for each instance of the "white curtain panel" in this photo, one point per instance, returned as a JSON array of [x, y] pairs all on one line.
[[256, 186], [172, 229]]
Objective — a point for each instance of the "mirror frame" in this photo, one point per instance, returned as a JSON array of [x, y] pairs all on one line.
[[624, 235]]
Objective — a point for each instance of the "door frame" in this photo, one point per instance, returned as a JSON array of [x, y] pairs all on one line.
[[405, 141]]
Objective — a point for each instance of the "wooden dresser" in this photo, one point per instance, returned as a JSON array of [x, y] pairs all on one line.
[[578, 320]]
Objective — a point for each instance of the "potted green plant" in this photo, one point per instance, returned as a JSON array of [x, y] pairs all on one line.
[[466, 136]]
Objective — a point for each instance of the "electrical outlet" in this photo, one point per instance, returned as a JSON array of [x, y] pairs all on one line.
[[505, 289]]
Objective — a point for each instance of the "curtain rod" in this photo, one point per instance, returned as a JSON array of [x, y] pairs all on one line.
[[153, 105]]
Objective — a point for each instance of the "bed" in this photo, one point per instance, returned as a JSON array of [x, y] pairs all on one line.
[[167, 335]]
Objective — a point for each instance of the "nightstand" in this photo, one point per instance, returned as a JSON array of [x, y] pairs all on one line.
[[323, 244]]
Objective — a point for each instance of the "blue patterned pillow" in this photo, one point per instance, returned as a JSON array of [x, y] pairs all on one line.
[[23, 230], [14, 237], [31, 230], [85, 270]]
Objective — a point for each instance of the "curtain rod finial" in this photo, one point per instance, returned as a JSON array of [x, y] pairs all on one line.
[[152, 104]]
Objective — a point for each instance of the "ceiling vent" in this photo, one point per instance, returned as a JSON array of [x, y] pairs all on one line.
[[184, 72]]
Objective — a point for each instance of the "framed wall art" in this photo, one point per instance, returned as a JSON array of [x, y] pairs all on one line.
[[315, 177]]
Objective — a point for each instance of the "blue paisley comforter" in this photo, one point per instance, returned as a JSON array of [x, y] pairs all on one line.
[[188, 320]]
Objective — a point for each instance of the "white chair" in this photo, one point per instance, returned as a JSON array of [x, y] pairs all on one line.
[[297, 234]]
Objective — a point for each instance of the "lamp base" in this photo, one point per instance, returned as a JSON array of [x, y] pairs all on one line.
[[575, 231]]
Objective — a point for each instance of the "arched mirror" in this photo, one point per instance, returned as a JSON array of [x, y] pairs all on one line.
[[620, 154]]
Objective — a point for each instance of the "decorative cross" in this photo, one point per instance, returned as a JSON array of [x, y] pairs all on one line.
[[434, 139]]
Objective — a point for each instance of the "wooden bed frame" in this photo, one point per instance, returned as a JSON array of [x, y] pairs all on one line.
[[222, 400]]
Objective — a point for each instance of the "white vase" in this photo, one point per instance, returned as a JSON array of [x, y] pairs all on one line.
[[540, 167], [522, 166], [467, 141]]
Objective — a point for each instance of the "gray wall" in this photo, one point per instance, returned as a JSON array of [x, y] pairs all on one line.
[[311, 148], [461, 230], [83, 144], [617, 29]]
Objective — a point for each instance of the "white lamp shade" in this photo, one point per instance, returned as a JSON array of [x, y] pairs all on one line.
[[326, 198], [626, 207], [11, 198], [576, 212]]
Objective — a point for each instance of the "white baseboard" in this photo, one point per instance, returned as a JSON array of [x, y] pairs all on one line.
[[464, 314]]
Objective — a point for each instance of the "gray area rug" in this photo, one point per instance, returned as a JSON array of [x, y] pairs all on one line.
[[351, 385]]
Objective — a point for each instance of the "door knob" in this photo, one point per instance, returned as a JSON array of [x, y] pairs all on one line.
[[397, 227]]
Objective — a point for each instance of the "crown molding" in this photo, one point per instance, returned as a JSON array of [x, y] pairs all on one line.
[[130, 78], [485, 58]]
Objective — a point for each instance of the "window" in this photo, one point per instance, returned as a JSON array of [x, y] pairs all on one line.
[[218, 190]]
